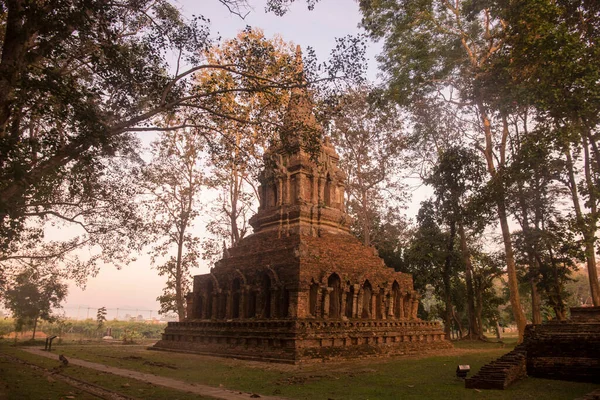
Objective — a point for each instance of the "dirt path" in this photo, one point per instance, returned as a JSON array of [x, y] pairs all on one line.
[[204, 390], [91, 388]]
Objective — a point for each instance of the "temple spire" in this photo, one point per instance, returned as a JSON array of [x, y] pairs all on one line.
[[299, 63], [299, 122]]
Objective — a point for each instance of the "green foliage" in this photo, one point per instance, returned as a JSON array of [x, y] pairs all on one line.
[[78, 81], [101, 317], [33, 295], [371, 142]]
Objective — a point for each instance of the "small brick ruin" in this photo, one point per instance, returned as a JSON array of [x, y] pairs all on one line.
[[302, 287], [565, 350], [501, 373]]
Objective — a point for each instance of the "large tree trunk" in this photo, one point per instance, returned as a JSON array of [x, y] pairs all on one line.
[[511, 267], [584, 228], [474, 332], [536, 312]]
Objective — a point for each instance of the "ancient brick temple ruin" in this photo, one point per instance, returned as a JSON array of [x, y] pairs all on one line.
[[301, 286]]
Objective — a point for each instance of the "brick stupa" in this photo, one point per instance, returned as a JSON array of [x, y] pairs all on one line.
[[301, 287]]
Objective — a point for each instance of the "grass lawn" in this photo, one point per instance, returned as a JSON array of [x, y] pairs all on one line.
[[25, 383], [19, 381], [426, 377]]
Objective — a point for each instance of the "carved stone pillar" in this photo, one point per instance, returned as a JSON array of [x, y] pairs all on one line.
[[319, 308], [314, 188], [373, 310], [300, 189], [359, 304], [343, 304], [401, 305], [326, 301], [215, 306], [355, 301], [321, 190], [391, 300], [279, 200], [287, 188], [415, 306]]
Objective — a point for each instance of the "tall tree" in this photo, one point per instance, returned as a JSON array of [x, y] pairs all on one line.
[[80, 78], [553, 57], [236, 145], [371, 141], [457, 180], [174, 181], [432, 258], [443, 50]]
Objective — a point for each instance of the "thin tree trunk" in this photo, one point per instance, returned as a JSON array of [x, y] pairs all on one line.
[[473, 327], [511, 267], [498, 331], [458, 324], [446, 280], [35, 322], [179, 300], [536, 312]]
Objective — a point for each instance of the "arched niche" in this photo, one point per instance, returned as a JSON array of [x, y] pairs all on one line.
[[367, 306], [335, 296], [349, 302], [265, 289], [380, 303]]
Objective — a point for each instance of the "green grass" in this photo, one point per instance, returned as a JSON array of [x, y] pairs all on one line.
[[130, 387], [431, 377], [19, 381]]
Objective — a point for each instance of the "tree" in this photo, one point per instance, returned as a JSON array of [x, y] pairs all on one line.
[[432, 258], [552, 56], [174, 181], [33, 294], [371, 141], [457, 180], [78, 80], [236, 146], [443, 50], [101, 317]]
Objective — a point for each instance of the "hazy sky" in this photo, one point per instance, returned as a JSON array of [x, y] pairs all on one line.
[[133, 290]]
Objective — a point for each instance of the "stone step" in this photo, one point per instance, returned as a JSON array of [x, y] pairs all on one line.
[[501, 372]]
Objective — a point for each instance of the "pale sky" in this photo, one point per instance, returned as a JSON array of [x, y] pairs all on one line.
[[133, 290]]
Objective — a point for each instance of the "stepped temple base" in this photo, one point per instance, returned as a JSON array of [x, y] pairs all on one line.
[[566, 350], [298, 341]]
